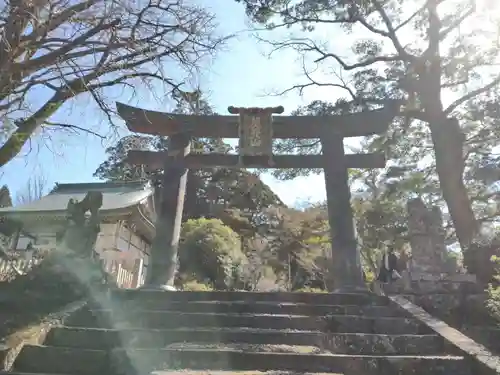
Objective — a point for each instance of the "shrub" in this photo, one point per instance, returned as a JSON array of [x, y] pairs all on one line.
[[307, 289], [478, 259], [210, 251], [195, 286], [493, 301]]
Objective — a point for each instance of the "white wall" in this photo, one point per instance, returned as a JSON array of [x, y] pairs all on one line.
[[112, 237], [106, 238], [44, 241]]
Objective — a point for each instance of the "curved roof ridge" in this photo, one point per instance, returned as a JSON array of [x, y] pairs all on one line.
[[116, 196], [110, 185]]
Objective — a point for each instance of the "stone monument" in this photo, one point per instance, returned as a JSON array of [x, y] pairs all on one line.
[[429, 256], [429, 267], [427, 240]]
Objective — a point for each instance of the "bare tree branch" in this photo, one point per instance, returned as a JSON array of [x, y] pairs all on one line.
[[36, 188], [391, 32], [472, 94], [89, 46]]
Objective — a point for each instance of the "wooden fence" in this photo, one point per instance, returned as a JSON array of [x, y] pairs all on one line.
[[124, 278]]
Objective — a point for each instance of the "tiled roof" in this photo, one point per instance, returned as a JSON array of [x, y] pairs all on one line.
[[116, 196]]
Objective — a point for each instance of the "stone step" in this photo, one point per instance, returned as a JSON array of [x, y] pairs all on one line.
[[202, 372], [121, 319], [289, 308], [425, 287], [56, 360], [252, 297], [272, 372], [338, 343], [205, 372]]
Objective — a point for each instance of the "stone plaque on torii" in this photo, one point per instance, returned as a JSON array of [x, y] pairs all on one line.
[[256, 128]]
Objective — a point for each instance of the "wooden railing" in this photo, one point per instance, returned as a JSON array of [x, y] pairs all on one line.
[[124, 278]]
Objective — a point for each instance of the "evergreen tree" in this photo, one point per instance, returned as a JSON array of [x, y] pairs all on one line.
[[436, 62]]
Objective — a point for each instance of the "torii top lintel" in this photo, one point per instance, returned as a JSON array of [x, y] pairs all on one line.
[[351, 125]]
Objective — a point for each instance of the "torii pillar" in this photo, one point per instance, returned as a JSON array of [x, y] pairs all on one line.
[[164, 250]]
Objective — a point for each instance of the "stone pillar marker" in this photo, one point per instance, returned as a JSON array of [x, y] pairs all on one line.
[[429, 260], [425, 227]]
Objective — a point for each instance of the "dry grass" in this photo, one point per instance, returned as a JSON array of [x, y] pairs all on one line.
[[29, 335], [30, 304]]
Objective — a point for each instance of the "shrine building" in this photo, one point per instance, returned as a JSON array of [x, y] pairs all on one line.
[[127, 225]]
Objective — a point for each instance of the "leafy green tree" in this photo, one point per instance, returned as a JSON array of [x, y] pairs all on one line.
[[212, 192], [5, 198], [298, 246], [435, 57], [411, 170], [209, 252], [116, 168], [236, 196], [6, 228]]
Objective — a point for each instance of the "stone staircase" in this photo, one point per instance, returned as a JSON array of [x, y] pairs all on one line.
[[138, 332]]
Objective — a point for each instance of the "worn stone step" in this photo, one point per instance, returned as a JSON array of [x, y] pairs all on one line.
[[252, 297], [426, 287], [202, 372], [205, 372], [122, 319], [350, 343], [253, 308], [56, 360]]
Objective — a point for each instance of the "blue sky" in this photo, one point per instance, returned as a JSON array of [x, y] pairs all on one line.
[[241, 75]]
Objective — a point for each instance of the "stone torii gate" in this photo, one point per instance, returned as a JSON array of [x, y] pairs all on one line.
[[256, 128]]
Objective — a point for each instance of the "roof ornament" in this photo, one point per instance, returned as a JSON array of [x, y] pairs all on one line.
[[80, 235], [76, 211]]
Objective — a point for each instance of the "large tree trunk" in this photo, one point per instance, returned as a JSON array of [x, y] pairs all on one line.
[[27, 127], [448, 148], [446, 135]]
